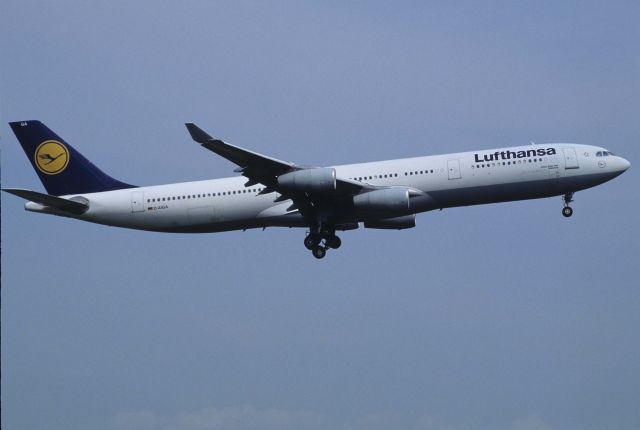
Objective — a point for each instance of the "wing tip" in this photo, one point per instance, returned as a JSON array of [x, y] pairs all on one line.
[[197, 133]]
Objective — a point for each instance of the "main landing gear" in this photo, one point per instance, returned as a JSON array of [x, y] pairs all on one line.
[[567, 211], [319, 243]]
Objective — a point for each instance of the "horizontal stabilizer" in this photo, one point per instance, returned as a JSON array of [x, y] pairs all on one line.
[[65, 205]]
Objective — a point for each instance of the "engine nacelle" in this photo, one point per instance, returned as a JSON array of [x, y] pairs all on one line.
[[397, 223], [311, 180], [387, 200]]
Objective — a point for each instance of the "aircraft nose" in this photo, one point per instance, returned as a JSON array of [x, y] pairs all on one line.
[[624, 164]]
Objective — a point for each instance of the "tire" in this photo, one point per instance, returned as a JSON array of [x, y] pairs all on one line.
[[567, 212], [333, 242], [310, 242], [319, 252]]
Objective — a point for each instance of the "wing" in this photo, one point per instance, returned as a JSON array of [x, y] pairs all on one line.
[[256, 167], [265, 170]]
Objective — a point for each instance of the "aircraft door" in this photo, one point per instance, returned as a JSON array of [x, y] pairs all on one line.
[[570, 158], [137, 201], [453, 166]]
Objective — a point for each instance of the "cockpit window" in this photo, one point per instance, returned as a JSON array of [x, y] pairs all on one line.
[[599, 154]]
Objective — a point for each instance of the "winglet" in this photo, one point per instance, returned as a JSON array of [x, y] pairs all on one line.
[[198, 134]]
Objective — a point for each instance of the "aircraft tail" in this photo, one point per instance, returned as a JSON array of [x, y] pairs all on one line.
[[62, 169]]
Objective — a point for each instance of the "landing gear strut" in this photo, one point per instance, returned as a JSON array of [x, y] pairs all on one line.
[[567, 211]]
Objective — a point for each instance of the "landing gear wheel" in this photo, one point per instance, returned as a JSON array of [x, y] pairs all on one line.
[[567, 211], [319, 252], [311, 242], [333, 242]]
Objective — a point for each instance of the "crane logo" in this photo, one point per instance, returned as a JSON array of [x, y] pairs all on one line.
[[51, 157]]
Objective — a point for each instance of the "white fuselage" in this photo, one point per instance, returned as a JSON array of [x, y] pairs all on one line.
[[460, 179]]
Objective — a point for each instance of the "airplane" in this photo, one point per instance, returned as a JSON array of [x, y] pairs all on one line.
[[273, 193]]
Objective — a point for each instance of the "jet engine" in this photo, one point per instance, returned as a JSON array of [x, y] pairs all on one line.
[[310, 180], [387, 200]]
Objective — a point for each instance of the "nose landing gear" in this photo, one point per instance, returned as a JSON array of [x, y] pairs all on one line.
[[567, 211]]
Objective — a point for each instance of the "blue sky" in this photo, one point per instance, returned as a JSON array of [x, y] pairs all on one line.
[[502, 316]]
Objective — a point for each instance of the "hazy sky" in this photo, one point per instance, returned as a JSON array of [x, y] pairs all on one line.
[[490, 317]]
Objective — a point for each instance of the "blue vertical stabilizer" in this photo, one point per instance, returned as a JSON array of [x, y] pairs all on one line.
[[62, 169]]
